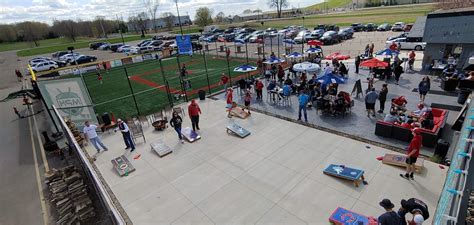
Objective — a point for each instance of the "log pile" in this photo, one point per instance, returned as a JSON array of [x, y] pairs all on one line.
[[69, 196], [77, 134]]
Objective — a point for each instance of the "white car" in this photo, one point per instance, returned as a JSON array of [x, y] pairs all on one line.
[[69, 57], [44, 66], [398, 26], [124, 48], [146, 49], [132, 50], [407, 43], [39, 60], [303, 36]]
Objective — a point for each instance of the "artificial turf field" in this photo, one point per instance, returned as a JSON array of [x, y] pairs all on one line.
[[114, 95]]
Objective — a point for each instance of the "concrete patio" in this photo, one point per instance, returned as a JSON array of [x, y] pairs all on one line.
[[274, 176]]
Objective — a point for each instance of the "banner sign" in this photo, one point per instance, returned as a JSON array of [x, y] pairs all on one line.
[[70, 98], [184, 45]]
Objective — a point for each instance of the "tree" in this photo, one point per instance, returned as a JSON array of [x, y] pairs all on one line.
[[33, 31], [8, 33], [203, 16], [247, 11], [152, 8], [257, 11], [142, 19], [279, 5], [169, 19], [219, 17], [67, 28]]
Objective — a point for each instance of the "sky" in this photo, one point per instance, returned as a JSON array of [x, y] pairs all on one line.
[[12, 11]]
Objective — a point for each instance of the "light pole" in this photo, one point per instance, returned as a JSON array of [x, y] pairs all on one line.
[[179, 19]]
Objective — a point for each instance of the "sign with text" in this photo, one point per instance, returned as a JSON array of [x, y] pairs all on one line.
[[184, 45]]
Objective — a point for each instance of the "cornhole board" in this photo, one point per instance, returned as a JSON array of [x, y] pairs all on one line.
[[160, 148], [399, 160], [122, 165], [239, 112], [237, 130], [190, 135], [342, 216], [345, 172]]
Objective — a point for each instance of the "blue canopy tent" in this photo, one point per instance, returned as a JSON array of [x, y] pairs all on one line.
[[245, 68], [387, 52], [274, 60], [313, 50], [289, 41], [330, 78], [294, 55]]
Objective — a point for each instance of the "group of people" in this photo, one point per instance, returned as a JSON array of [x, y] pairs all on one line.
[[416, 207]]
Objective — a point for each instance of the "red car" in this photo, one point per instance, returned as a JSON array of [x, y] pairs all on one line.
[[337, 56]]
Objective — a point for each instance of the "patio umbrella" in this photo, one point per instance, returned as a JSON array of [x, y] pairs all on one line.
[[387, 52], [337, 55], [294, 55], [245, 68], [239, 42], [373, 62], [313, 50], [306, 67], [289, 41], [330, 78], [274, 60], [315, 43]]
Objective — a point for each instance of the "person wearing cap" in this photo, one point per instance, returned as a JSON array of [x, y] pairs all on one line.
[[90, 134], [421, 110], [390, 217], [194, 111], [417, 217], [413, 152], [414, 206], [127, 138]]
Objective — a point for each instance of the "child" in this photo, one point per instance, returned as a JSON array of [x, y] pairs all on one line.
[[99, 77], [247, 99]]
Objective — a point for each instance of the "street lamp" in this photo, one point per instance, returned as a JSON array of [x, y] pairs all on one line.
[[179, 19]]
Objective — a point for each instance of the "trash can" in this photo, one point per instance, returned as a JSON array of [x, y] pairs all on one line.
[[462, 95], [239, 49], [221, 48], [202, 94], [442, 148]]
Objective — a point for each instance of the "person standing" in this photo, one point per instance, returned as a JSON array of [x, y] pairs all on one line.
[[104, 66], [90, 134], [371, 49], [99, 77], [176, 122], [413, 152], [259, 89], [184, 71], [390, 217], [417, 217], [398, 72], [127, 137], [17, 112], [423, 87], [19, 76], [224, 80], [303, 99], [411, 206], [247, 99], [383, 97], [411, 60], [229, 100], [194, 111], [281, 74], [357, 63], [370, 99]]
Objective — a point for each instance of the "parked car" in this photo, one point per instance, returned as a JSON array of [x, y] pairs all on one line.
[[105, 46], [398, 26], [123, 48], [242, 37], [144, 43], [37, 60], [302, 36], [69, 57], [384, 27], [408, 43], [254, 38], [211, 38], [320, 27], [56, 55], [330, 37], [317, 33], [407, 27], [44, 66], [402, 35], [114, 47], [95, 45], [146, 49], [153, 43], [346, 33], [357, 27], [196, 46], [332, 27], [165, 44], [194, 37], [169, 37], [84, 59], [132, 51], [60, 63], [230, 30], [370, 27]]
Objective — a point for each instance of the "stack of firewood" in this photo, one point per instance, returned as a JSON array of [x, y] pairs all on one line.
[[69, 196], [77, 134]]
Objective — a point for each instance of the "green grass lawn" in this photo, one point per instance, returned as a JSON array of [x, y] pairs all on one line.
[[115, 96], [331, 4], [58, 44]]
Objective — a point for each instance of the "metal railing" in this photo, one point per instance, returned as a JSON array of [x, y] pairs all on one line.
[[449, 204], [108, 204]]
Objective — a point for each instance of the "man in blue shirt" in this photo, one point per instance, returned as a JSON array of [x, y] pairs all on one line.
[[303, 99], [286, 90], [390, 217], [370, 100]]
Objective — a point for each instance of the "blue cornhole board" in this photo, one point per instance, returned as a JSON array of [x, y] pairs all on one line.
[[345, 172], [190, 135], [342, 216], [237, 130]]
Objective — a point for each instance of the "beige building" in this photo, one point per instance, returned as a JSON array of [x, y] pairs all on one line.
[[370, 3]]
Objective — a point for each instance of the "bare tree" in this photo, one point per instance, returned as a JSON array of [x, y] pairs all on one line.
[[169, 19], [279, 5], [152, 8], [32, 31], [247, 11], [219, 17], [203, 16], [67, 28], [142, 20], [8, 33]]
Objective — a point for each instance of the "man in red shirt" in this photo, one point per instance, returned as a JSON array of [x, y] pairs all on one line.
[[413, 152], [259, 88], [194, 111], [224, 80]]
